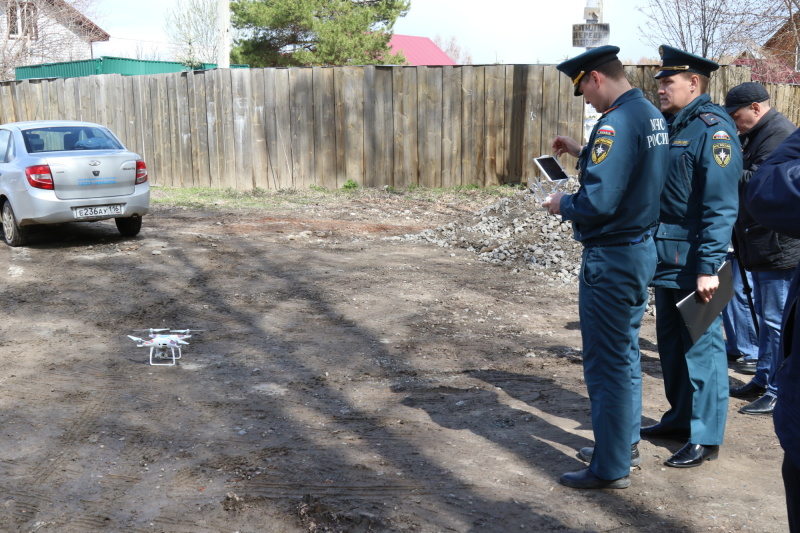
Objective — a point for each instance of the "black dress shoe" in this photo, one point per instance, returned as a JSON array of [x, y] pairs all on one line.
[[692, 455], [745, 367], [659, 430], [586, 454], [585, 479], [763, 406], [748, 390]]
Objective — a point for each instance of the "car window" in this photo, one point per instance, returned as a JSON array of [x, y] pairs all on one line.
[[68, 138], [5, 135]]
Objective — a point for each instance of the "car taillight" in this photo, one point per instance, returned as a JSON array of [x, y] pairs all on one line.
[[39, 176], [141, 172]]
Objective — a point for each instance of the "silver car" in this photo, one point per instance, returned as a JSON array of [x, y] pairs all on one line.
[[54, 171]]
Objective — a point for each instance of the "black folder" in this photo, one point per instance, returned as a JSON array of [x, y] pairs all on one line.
[[698, 315]]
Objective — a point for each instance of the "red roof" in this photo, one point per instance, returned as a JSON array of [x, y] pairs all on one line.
[[419, 50]]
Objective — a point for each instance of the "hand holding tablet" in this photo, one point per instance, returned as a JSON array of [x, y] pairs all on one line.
[[554, 178]]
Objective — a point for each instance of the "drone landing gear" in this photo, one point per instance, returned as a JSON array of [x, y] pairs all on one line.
[[160, 353]]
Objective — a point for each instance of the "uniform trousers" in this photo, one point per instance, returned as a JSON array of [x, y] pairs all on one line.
[[695, 375], [612, 300]]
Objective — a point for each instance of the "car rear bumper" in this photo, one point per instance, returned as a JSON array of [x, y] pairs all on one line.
[[42, 206]]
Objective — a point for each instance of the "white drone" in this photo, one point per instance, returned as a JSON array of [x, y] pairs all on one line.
[[159, 343]]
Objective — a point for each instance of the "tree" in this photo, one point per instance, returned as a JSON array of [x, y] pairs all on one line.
[[716, 29], [315, 32], [192, 29], [45, 31], [453, 50]]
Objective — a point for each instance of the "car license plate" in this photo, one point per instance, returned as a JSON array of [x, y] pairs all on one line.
[[98, 211]]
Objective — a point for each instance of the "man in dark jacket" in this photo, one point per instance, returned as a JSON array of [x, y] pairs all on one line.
[[770, 256], [772, 197]]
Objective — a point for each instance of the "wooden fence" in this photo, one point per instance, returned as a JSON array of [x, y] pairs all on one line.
[[293, 128]]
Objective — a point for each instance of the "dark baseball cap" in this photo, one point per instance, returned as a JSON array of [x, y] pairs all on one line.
[[745, 94]]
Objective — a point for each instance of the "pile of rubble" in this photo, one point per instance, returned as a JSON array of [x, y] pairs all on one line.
[[515, 232]]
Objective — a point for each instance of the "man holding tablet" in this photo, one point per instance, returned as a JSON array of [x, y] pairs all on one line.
[[621, 172]]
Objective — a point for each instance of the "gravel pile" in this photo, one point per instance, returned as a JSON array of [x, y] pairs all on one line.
[[514, 232]]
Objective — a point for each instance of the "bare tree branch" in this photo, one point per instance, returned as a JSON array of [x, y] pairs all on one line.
[[454, 51], [192, 29], [716, 29]]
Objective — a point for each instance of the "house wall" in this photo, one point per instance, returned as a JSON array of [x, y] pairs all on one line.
[[61, 44], [783, 46], [55, 43]]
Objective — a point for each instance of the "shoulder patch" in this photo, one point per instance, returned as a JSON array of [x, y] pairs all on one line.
[[722, 153], [600, 149], [709, 118], [680, 142], [606, 130], [722, 135]]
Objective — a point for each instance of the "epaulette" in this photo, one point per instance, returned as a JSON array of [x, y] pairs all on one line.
[[709, 118]]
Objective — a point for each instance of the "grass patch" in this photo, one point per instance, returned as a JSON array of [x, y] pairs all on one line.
[[263, 199]]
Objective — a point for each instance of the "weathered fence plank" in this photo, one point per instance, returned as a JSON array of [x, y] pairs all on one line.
[[473, 168], [214, 132], [261, 168], [241, 97], [71, 99], [198, 129], [353, 119], [494, 160], [283, 130], [451, 126], [183, 140], [162, 124], [302, 126], [87, 87], [429, 124], [378, 152], [324, 127], [111, 102], [404, 113], [227, 148]]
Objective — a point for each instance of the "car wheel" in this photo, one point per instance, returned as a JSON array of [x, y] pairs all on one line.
[[129, 226], [13, 235]]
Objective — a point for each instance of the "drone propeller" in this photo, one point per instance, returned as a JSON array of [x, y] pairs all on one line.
[[184, 330], [137, 339], [153, 330]]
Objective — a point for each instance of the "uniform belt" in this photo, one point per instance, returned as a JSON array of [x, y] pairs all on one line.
[[641, 239]]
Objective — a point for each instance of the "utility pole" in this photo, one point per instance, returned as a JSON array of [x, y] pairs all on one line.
[[224, 44], [591, 35]]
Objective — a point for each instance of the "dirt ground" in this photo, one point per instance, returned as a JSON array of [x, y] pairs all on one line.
[[342, 381]]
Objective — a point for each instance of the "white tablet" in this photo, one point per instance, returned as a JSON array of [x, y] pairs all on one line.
[[552, 169]]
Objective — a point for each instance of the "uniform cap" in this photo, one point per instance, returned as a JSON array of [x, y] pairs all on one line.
[[745, 94], [674, 60], [580, 65]]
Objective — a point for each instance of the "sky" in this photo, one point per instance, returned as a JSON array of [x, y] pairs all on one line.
[[496, 31]]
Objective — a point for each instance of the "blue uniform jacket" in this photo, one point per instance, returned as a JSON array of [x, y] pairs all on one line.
[[773, 198], [619, 194], [700, 201]]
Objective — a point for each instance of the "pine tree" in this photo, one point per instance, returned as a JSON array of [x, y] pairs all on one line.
[[315, 32]]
